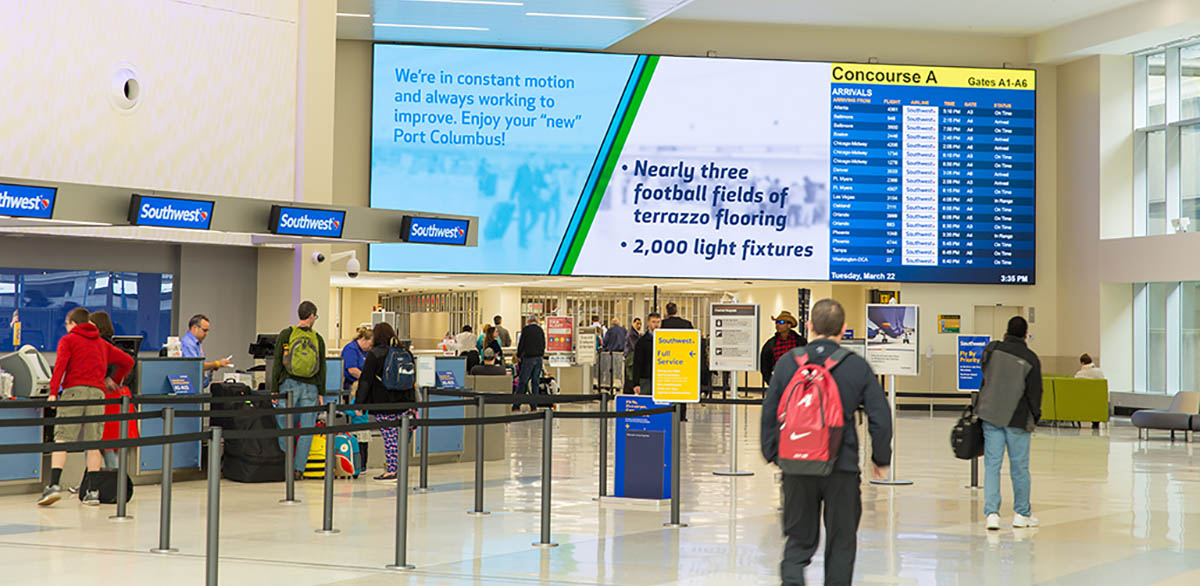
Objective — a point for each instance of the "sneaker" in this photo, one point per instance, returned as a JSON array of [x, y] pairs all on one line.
[[386, 477], [993, 522], [92, 498], [51, 495], [1021, 521]]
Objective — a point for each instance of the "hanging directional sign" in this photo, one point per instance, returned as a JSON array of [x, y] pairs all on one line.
[[677, 366]]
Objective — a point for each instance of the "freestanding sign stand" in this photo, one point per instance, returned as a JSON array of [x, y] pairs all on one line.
[[893, 348], [733, 348]]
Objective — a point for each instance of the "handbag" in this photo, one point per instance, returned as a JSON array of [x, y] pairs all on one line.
[[966, 438]]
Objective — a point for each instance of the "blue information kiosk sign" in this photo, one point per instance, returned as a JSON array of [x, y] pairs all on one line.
[[970, 361], [643, 459]]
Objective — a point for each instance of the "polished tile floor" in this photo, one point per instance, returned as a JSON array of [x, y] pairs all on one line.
[[1114, 510]]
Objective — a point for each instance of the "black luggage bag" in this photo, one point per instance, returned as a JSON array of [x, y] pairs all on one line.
[[253, 459]]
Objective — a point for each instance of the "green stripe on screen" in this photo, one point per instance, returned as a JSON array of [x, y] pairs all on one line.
[[610, 164]]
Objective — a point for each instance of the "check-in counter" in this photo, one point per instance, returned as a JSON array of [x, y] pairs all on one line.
[[493, 435], [446, 442], [20, 473], [160, 376]]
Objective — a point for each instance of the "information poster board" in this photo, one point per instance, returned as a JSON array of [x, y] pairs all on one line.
[[893, 341], [949, 324], [733, 346], [677, 366], [970, 361], [426, 371], [560, 334], [643, 451], [585, 345]]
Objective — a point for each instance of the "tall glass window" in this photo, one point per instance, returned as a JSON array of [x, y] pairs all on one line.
[[1167, 120], [1189, 348], [1156, 182], [1156, 88], [1156, 337], [1189, 82]]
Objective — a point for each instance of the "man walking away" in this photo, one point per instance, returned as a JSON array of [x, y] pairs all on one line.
[[614, 338], [805, 490], [631, 340], [643, 357], [531, 347], [81, 371], [673, 321], [1010, 405], [299, 367], [785, 339]]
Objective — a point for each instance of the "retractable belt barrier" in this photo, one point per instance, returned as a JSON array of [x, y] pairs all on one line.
[[731, 402], [43, 421]]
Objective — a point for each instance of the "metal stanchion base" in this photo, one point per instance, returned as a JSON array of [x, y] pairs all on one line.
[[891, 482], [403, 568], [479, 513], [419, 490], [327, 531], [545, 545], [120, 519], [291, 502], [732, 473], [675, 525], [973, 487], [168, 550]]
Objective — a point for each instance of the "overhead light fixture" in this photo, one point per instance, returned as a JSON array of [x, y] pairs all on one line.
[[440, 27], [595, 16], [353, 15], [485, 2]]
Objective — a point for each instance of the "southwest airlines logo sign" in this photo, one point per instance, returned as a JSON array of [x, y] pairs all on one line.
[[169, 212], [23, 201], [437, 231], [309, 222]]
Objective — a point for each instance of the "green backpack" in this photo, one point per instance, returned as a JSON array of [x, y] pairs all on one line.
[[302, 356]]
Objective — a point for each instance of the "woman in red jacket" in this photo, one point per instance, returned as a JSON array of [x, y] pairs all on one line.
[[112, 429]]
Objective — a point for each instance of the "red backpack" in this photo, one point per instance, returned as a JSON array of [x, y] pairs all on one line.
[[810, 417]]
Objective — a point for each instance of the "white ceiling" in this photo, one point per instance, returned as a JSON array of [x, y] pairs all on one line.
[[1013, 17], [421, 282]]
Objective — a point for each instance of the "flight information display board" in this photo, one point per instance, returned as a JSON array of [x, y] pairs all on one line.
[[632, 165]]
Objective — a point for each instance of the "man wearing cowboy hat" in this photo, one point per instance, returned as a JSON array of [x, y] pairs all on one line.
[[785, 339]]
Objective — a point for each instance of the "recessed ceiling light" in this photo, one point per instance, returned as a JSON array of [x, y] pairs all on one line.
[[596, 16], [353, 15], [487, 2], [433, 26]]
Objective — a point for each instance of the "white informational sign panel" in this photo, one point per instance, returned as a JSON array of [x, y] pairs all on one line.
[[893, 341], [734, 342], [585, 345], [427, 371]]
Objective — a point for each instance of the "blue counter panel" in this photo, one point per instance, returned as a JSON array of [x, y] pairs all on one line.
[[20, 466], [154, 380]]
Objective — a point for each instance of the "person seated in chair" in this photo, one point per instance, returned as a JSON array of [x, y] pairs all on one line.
[[489, 366]]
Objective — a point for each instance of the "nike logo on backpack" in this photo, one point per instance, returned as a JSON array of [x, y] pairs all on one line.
[[796, 436]]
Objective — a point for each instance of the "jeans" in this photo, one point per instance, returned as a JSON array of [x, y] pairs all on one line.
[[803, 497], [995, 439], [305, 395], [530, 373]]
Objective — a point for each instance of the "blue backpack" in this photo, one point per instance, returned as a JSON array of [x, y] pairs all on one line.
[[399, 370]]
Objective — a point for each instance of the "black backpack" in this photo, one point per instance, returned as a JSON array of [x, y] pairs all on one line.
[[104, 482], [966, 439]]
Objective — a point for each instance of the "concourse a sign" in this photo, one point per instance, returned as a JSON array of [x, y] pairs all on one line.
[[677, 366]]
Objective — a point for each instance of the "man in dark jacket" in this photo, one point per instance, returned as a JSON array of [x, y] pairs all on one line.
[[785, 339], [614, 338], [531, 347], [803, 495], [643, 356], [673, 321], [1010, 405]]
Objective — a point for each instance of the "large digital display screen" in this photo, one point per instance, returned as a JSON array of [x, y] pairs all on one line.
[[636, 165]]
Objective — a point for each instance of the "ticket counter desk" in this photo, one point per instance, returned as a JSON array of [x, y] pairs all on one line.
[[159, 376], [21, 473]]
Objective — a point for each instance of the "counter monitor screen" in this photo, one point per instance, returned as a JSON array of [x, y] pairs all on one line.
[[27, 201], [434, 230], [170, 212], [290, 221]]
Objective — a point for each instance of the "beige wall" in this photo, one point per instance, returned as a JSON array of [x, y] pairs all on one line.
[[217, 106]]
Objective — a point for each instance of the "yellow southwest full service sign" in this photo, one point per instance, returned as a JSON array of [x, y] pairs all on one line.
[[677, 366], [916, 75]]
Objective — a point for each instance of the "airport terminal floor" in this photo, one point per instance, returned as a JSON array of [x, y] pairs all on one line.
[[1114, 510]]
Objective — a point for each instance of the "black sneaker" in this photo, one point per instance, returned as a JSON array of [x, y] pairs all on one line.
[[51, 495]]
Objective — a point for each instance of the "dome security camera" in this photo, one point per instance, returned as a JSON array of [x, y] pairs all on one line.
[[318, 258], [352, 268]]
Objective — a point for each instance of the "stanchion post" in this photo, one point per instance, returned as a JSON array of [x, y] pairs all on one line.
[[289, 456], [327, 512], [974, 461], [733, 437], [604, 444], [479, 410], [547, 458], [211, 553], [676, 415], [423, 475], [122, 463], [168, 465], [891, 479], [401, 561]]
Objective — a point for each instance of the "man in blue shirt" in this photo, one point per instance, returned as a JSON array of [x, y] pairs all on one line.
[[191, 342]]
